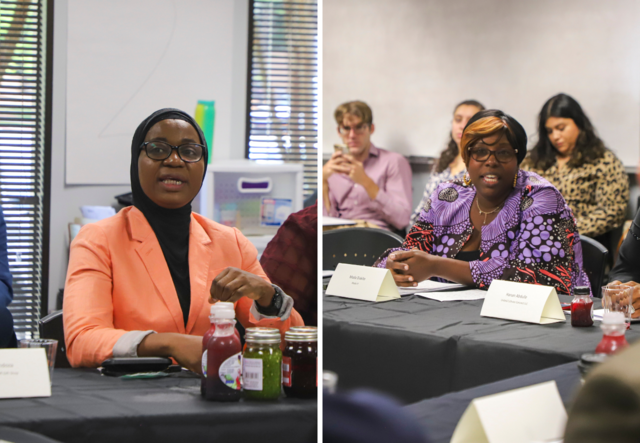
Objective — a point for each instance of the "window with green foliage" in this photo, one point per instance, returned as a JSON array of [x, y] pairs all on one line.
[[23, 144], [282, 122]]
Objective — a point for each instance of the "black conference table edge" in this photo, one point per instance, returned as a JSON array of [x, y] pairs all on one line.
[[414, 348], [86, 406], [439, 416]]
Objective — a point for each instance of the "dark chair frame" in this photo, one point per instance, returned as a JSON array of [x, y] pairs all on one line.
[[52, 327], [594, 258], [356, 246]]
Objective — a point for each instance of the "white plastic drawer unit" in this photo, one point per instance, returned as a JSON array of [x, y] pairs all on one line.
[[253, 197]]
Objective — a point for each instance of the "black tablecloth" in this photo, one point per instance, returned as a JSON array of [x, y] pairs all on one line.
[[88, 407], [439, 416], [415, 348]]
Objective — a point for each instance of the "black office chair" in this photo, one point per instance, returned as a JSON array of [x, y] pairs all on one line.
[[356, 246], [594, 258], [51, 327]]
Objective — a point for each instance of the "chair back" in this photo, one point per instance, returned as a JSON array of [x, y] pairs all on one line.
[[51, 327], [594, 259], [356, 246]]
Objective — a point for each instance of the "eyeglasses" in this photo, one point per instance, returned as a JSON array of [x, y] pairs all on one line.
[[483, 154], [189, 152], [358, 129]]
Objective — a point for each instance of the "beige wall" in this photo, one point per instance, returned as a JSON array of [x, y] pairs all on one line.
[[413, 60]]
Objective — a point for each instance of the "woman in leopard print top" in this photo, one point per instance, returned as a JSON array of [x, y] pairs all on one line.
[[588, 175]]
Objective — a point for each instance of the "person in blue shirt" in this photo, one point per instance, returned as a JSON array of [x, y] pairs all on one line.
[[7, 334]]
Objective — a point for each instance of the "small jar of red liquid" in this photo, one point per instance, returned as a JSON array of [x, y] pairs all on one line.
[[300, 362], [582, 307], [222, 359], [613, 326]]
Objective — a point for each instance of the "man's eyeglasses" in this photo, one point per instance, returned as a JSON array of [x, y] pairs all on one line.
[[483, 154], [189, 152], [358, 129]]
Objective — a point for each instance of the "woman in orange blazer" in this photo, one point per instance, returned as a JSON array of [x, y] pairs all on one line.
[[138, 282]]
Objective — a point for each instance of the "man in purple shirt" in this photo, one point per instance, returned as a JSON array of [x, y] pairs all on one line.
[[369, 183]]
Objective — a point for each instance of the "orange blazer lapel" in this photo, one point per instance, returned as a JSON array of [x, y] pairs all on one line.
[[152, 256], [199, 264]]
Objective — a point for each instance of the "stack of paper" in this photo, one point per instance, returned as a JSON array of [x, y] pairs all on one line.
[[334, 221], [469, 294], [429, 286]]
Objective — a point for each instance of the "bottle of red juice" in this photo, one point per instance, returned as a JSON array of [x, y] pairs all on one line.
[[221, 361], [613, 326]]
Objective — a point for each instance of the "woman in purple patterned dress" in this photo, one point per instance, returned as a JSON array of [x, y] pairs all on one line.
[[498, 222]]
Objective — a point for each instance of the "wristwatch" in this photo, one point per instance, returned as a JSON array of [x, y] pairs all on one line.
[[276, 303]]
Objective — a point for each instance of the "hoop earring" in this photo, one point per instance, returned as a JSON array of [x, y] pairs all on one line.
[[515, 180], [466, 179]]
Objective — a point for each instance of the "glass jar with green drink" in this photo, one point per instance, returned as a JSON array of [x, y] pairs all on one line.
[[262, 364]]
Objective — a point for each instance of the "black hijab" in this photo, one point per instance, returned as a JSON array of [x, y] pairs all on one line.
[[171, 226]]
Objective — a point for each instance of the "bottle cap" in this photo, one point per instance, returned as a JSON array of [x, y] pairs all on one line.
[[613, 318], [299, 336], [262, 335], [582, 290], [222, 310], [304, 329]]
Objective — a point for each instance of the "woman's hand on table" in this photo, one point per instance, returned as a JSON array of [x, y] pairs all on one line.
[[410, 267], [185, 349], [635, 298], [232, 284]]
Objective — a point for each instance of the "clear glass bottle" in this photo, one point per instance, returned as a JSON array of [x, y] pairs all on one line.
[[613, 326], [221, 361], [262, 364], [582, 307]]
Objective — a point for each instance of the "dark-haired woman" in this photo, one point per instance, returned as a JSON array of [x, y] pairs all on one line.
[[588, 175], [498, 222], [140, 283], [450, 165]]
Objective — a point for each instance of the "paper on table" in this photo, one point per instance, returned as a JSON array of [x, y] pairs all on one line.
[[469, 294], [327, 273], [429, 286], [334, 221]]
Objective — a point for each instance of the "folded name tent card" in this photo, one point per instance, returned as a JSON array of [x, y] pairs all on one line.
[[363, 283], [524, 415], [522, 302], [24, 373]]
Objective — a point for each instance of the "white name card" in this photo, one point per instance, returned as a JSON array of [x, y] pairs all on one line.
[[524, 415], [522, 302], [24, 373], [363, 283]]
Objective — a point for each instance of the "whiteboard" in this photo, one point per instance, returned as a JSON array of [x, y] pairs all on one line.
[[412, 61], [129, 58]]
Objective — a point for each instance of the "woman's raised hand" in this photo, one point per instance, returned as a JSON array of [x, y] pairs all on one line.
[[232, 284]]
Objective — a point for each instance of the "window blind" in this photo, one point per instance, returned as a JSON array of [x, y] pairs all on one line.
[[282, 122], [22, 153]]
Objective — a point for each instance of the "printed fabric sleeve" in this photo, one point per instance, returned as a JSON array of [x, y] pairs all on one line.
[[393, 202], [612, 196], [543, 248], [420, 237]]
